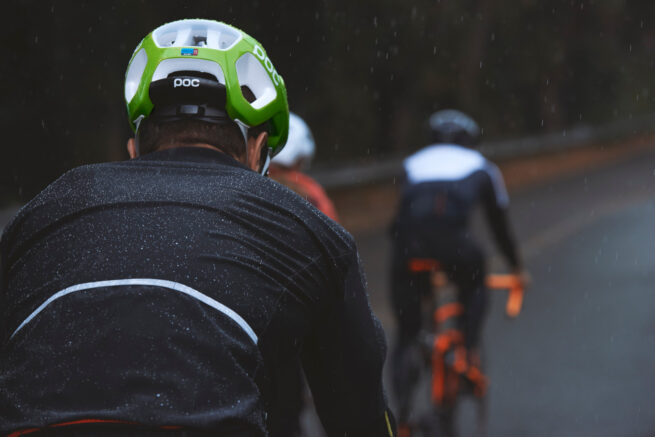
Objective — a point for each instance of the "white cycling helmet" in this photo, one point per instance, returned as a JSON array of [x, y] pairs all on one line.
[[300, 143]]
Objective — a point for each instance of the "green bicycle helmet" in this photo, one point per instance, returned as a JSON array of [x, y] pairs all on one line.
[[206, 58]]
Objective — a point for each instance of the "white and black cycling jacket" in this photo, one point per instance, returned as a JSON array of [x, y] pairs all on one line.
[[170, 290], [444, 183]]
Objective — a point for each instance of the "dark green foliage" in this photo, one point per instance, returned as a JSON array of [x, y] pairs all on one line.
[[365, 74]]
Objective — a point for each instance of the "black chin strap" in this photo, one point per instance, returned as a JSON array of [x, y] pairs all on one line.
[[267, 161]]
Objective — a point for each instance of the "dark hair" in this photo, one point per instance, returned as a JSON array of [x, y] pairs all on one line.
[[227, 137], [153, 135]]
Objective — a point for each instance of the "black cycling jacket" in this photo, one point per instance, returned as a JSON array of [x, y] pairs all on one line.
[[445, 182], [173, 290]]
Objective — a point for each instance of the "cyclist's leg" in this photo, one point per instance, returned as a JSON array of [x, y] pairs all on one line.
[[468, 273], [406, 292]]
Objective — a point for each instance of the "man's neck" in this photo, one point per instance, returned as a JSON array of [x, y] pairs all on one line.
[[200, 145]]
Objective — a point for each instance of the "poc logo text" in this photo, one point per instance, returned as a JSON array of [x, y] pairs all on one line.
[[259, 52], [186, 82]]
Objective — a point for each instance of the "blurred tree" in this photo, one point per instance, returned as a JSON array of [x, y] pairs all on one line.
[[365, 74]]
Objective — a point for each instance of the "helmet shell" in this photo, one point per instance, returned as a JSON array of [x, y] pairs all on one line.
[[300, 144], [229, 54], [453, 126]]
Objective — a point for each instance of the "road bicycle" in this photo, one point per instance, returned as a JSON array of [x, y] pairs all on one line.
[[454, 371]]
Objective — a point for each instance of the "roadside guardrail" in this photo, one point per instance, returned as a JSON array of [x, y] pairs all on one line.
[[348, 175]]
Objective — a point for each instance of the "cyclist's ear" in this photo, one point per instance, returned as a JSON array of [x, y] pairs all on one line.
[[255, 147], [131, 148]]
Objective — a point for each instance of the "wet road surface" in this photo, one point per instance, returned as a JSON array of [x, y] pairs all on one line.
[[579, 360]]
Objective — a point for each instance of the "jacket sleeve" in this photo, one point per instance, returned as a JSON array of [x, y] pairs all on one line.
[[496, 203], [343, 362], [4, 334]]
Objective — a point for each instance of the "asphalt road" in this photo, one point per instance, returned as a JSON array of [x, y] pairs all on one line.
[[580, 359]]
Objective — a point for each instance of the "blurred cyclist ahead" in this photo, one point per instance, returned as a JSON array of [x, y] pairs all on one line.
[[444, 183], [168, 294], [288, 165]]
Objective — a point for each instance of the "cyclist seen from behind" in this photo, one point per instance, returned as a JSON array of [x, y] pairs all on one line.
[[287, 167], [444, 183], [168, 294]]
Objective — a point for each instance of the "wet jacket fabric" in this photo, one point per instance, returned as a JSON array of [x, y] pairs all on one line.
[[306, 187], [170, 292]]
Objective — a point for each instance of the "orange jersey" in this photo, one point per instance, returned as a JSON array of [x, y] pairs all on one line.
[[306, 187]]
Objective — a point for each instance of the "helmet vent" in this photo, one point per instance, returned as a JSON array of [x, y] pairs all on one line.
[[134, 73], [251, 73], [197, 33]]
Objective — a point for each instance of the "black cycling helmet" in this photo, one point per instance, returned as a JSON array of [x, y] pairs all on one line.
[[454, 127]]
